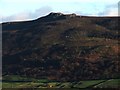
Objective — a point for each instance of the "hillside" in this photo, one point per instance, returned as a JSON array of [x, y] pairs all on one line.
[[62, 47]]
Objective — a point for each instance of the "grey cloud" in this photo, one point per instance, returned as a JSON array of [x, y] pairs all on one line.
[[17, 17], [110, 10], [27, 15], [41, 12], [119, 8]]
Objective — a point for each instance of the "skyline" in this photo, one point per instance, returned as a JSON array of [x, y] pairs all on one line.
[[20, 10]]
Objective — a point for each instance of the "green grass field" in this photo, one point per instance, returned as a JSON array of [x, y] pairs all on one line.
[[44, 83], [112, 83], [87, 84]]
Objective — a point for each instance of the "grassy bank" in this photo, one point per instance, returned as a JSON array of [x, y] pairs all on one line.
[[16, 82]]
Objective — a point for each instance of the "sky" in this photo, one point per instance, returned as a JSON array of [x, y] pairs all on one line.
[[20, 10]]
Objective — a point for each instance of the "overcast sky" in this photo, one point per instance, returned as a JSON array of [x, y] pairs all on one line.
[[19, 10]]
